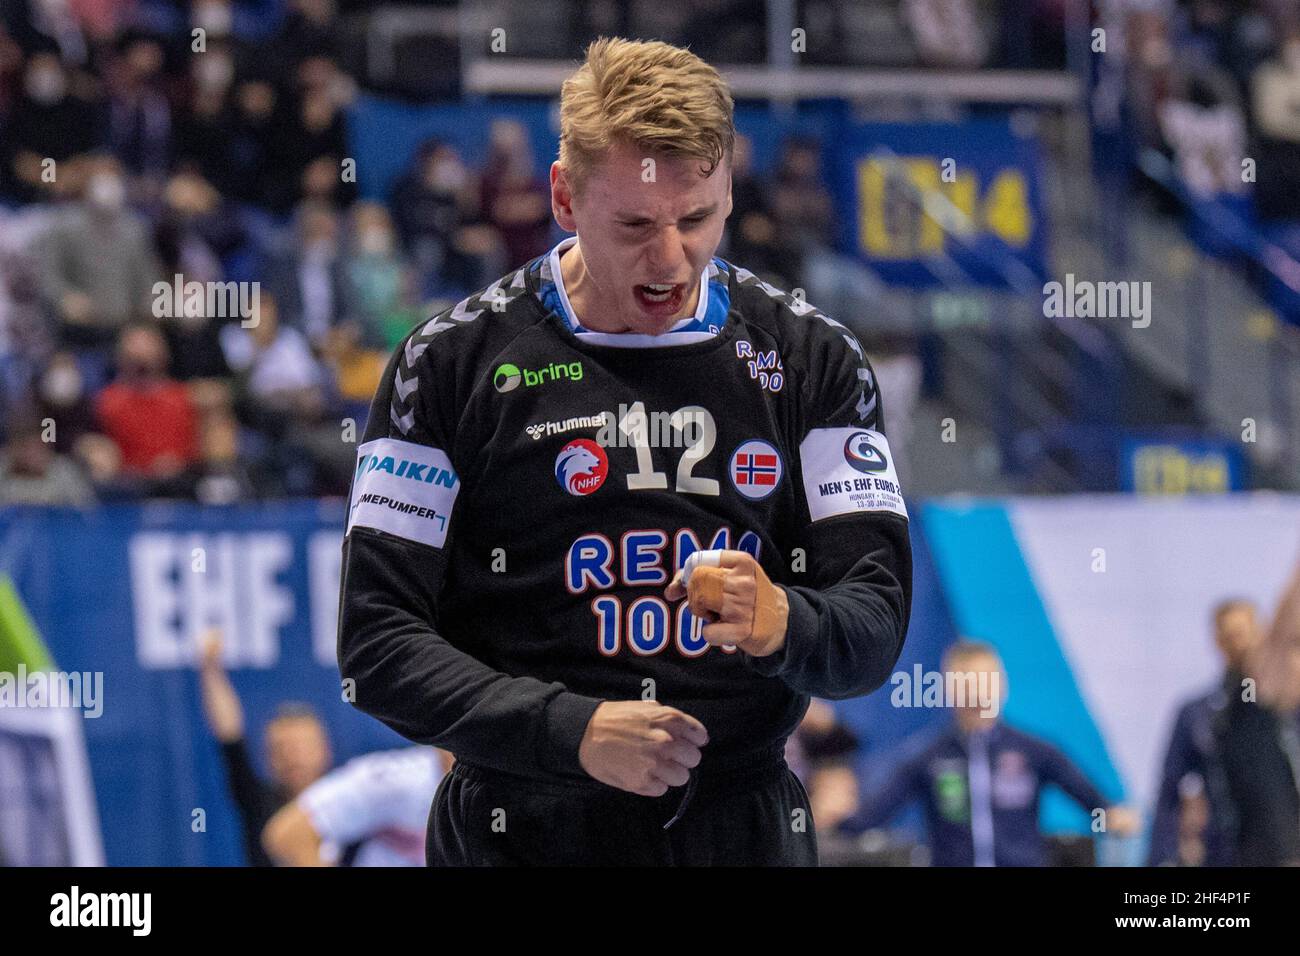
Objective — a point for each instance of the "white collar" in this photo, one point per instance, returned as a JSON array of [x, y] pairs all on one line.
[[629, 339]]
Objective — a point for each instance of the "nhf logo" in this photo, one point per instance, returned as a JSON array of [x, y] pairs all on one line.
[[581, 466]]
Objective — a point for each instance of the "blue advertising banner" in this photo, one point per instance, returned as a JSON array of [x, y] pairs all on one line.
[[125, 592], [934, 203]]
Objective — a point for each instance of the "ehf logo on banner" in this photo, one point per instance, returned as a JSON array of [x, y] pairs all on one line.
[[581, 466], [756, 469]]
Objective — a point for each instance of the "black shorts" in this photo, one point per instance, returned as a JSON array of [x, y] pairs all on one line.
[[755, 816]]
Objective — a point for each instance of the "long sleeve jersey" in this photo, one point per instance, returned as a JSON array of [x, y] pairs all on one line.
[[526, 489]]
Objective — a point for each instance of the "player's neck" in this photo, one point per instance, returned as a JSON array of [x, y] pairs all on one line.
[[586, 301]]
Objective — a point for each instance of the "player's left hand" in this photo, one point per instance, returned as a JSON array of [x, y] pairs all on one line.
[[739, 603]]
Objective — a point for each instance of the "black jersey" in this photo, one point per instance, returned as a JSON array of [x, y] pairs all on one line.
[[525, 491]]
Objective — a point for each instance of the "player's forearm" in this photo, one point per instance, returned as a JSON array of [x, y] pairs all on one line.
[[411, 678], [842, 640]]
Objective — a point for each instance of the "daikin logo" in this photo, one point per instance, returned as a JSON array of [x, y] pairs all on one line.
[[509, 377]]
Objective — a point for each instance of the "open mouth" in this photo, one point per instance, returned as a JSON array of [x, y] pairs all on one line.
[[660, 298]]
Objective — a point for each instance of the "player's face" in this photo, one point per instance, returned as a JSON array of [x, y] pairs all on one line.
[[297, 752], [647, 226], [1236, 634], [985, 694]]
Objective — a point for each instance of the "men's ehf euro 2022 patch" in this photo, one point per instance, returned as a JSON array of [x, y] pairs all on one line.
[[405, 489], [847, 470]]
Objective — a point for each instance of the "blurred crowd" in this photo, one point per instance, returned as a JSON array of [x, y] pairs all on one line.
[[132, 166], [963, 34], [1213, 82]]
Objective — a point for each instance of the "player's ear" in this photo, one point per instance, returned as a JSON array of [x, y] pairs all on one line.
[[562, 198]]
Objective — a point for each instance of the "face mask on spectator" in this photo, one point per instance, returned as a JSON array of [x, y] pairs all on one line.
[[46, 85], [106, 191], [213, 72], [61, 384], [376, 241], [1291, 55], [449, 175], [141, 371], [214, 18]]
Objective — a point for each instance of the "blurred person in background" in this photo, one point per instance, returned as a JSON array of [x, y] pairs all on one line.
[[437, 212], [307, 140], [306, 275], [194, 228], [1276, 101], [1195, 749], [283, 391], [825, 750], [99, 265], [1205, 130], [355, 368], [377, 281], [46, 122], [150, 417], [1260, 742], [61, 395], [206, 125], [372, 811], [514, 199], [979, 780], [947, 33], [751, 231], [33, 472], [296, 744], [222, 478], [804, 216], [139, 114]]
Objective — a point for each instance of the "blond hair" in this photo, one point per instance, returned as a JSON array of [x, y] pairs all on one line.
[[655, 96]]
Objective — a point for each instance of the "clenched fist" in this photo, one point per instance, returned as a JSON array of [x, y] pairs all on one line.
[[641, 746], [731, 591]]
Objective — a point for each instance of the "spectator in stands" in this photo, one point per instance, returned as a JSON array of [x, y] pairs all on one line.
[[751, 230], [206, 127], [947, 32], [48, 122], [282, 391], [804, 216], [149, 416], [436, 209], [307, 142], [139, 115], [274, 363], [1206, 132], [980, 780], [61, 396], [194, 229], [32, 472], [297, 750], [1195, 750], [377, 282], [306, 277], [1276, 95], [309, 28], [801, 204], [222, 477], [99, 266], [514, 199]]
